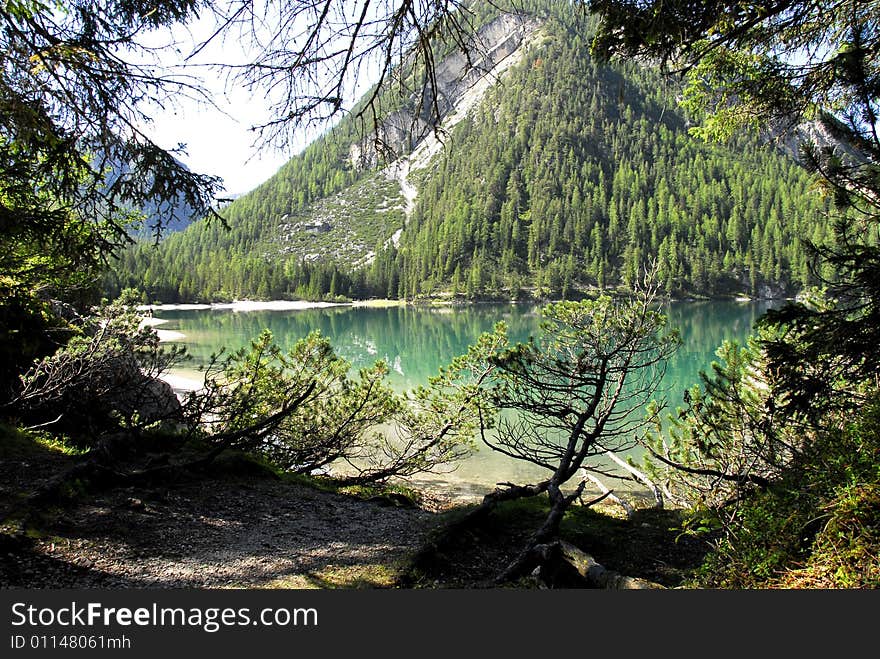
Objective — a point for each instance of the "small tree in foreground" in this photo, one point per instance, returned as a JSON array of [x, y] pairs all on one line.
[[304, 411], [105, 379], [576, 392]]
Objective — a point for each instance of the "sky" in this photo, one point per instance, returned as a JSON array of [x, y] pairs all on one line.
[[219, 141], [221, 144]]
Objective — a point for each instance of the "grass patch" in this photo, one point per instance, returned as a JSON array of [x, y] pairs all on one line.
[[846, 550], [19, 444], [356, 577], [385, 494]]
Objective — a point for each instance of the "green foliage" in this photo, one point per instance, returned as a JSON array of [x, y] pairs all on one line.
[[570, 176], [779, 66], [74, 160], [574, 175], [303, 410], [813, 370], [846, 551], [102, 379], [730, 437], [48, 252], [817, 525], [761, 478], [74, 93], [751, 64], [335, 415]]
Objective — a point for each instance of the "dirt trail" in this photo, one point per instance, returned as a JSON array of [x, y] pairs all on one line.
[[216, 533]]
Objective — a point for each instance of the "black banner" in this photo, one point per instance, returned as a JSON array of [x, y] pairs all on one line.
[[416, 622]]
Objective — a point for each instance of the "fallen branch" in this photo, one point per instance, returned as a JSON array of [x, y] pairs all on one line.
[[560, 564], [658, 494], [630, 511], [593, 502]]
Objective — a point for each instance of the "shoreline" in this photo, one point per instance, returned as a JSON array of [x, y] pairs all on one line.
[[302, 305], [164, 335], [243, 305], [180, 384]]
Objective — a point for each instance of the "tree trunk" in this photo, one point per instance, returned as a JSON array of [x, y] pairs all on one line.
[[549, 529], [562, 565]]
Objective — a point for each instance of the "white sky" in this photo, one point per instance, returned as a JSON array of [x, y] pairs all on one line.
[[220, 141], [221, 145]]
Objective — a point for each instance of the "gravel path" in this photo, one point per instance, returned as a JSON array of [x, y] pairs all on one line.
[[255, 532]]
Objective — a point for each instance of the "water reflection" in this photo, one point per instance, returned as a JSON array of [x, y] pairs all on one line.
[[416, 342]]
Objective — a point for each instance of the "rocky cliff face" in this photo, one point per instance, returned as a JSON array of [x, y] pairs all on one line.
[[457, 75], [374, 210], [810, 132]]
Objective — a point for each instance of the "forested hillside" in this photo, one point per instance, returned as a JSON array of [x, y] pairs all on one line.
[[568, 176], [565, 178]]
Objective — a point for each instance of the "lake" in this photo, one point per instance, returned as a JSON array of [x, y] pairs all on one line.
[[416, 341]]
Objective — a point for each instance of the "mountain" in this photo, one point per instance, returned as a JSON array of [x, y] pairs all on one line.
[[551, 176], [172, 215]]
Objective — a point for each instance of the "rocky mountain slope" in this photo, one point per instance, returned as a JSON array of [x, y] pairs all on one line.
[[549, 175], [348, 226]]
